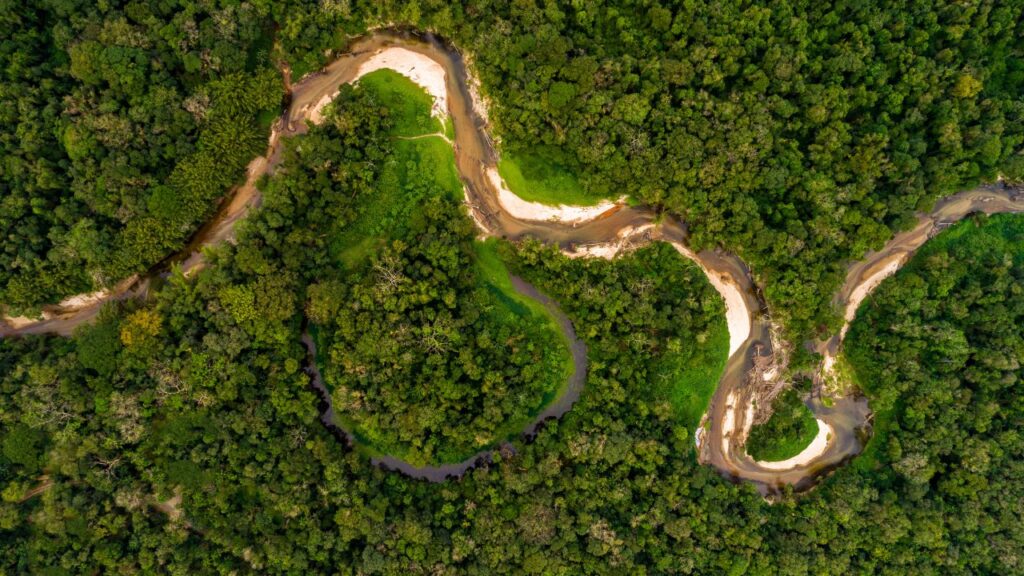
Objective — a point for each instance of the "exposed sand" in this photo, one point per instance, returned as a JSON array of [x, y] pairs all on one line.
[[609, 250], [866, 287], [748, 420], [736, 314], [728, 421], [524, 210], [84, 299], [815, 449], [421, 69], [480, 106], [19, 322]]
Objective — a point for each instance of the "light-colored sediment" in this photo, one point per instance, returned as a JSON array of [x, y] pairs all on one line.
[[728, 422], [535, 211], [814, 450], [426, 72], [867, 287], [84, 299], [480, 105], [859, 293], [625, 239], [737, 315]]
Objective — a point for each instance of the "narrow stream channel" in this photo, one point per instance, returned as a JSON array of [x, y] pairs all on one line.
[[441, 472]]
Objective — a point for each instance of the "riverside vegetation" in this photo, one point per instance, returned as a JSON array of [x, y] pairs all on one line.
[[428, 352], [179, 435]]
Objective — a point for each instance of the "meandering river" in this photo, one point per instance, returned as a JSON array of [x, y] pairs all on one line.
[[730, 414]]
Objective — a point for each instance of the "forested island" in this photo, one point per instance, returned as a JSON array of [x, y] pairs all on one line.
[[764, 152]]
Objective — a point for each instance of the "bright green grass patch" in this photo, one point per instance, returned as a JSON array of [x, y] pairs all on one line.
[[418, 170], [449, 128], [422, 167], [408, 104], [541, 175], [787, 433], [688, 378]]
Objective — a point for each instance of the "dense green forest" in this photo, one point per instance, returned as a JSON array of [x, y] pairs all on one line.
[[940, 350], [799, 134], [428, 352], [179, 434], [121, 127]]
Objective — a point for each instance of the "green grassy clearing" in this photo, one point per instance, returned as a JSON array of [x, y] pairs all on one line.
[[688, 379], [419, 169], [408, 104], [541, 175]]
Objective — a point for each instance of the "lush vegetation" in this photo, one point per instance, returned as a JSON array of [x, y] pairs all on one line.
[[797, 134], [428, 352], [787, 432], [947, 329], [179, 435], [121, 128], [654, 306], [141, 443], [539, 176]]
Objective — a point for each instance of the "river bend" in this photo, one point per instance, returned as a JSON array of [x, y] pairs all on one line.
[[753, 349]]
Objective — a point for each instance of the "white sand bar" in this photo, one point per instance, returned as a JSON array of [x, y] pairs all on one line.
[[609, 250], [736, 314], [867, 286], [525, 210], [424, 71], [84, 299], [815, 449]]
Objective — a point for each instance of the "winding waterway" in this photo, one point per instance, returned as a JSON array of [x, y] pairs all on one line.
[[440, 472], [731, 411]]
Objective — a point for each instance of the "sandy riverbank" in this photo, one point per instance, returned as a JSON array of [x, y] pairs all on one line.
[[737, 315], [814, 450], [525, 210]]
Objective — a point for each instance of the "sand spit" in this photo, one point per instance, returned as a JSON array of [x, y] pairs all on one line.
[[814, 450], [737, 315], [426, 72], [535, 211]]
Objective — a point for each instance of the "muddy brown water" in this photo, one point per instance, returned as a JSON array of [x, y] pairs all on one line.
[[474, 152]]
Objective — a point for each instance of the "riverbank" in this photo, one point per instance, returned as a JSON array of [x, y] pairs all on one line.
[[602, 235]]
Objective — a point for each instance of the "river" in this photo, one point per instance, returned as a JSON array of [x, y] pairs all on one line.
[[730, 413]]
